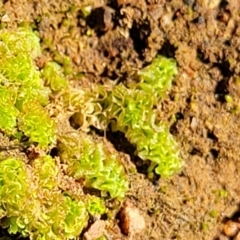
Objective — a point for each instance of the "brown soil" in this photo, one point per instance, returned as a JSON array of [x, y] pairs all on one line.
[[121, 36]]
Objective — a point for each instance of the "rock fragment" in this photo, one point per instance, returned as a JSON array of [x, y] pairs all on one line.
[[131, 221], [231, 228], [95, 231]]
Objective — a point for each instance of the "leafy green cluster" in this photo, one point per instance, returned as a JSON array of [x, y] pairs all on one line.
[[132, 110], [134, 114], [52, 73], [22, 91], [157, 77], [95, 205], [9, 112], [32, 204], [91, 161], [137, 119], [33, 201], [29, 120]]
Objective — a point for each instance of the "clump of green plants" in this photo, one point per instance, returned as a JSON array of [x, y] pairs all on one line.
[[92, 161], [32, 204], [54, 77], [95, 205], [9, 112], [132, 110], [157, 77], [33, 200], [23, 94]]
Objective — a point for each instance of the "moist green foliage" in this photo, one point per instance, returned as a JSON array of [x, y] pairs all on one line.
[[22, 91], [95, 205], [33, 198], [92, 161], [14, 186], [20, 41], [18, 50], [8, 111], [32, 204], [33, 201], [53, 76], [37, 125], [157, 77], [133, 112]]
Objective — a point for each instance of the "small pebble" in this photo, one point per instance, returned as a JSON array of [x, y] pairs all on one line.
[[131, 221], [95, 231], [5, 18], [231, 228]]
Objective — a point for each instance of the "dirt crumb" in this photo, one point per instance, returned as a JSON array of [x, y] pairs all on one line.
[[95, 231], [131, 221], [113, 42]]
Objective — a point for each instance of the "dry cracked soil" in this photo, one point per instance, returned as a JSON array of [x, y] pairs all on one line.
[[117, 38]]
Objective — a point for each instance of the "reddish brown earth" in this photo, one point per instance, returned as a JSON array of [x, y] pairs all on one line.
[[121, 36]]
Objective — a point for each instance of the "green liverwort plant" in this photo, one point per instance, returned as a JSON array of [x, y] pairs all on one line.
[[22, 92], [38, 199], [91, 161], [157, 77], [95, 205], [9, 112], [53, 76], [32, 204], [35, 122], [132, 110]]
